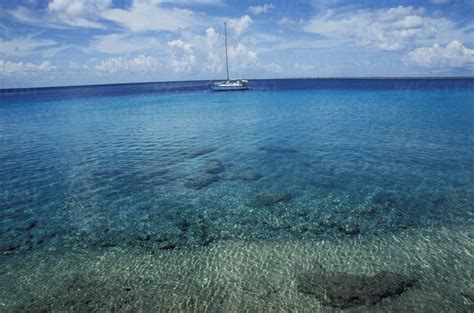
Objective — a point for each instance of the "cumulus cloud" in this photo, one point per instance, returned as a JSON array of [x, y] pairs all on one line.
[[121, 43], [244, 58], [383, 29], [212, 38], [140, 65], [454, 55], [208, 51], [17, 69], [214, 61], [240, 25], [241, 54], [182, 56], [259, 9]]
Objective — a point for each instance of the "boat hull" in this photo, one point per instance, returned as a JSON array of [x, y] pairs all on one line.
[[228, 88]]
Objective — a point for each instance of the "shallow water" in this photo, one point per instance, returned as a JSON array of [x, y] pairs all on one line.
[[219, 200]]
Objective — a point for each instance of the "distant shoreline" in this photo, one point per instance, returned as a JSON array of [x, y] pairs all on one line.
[[250, 79]]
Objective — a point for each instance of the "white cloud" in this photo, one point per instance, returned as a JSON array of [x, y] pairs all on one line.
[[80, 13], [240, 25], [214, 62], [181, 45], [271, 67], [182, 56], [302, 67], [241, 54], [139, 16], [23, 45], [140, 65], [150, 15], [120, 43], [212, 38], [259, 9], [17, 69], [207, 50], [410, 21], [383, 29], [61, 13], [242, 57], [454, 55], [78, 66], [28, 16]]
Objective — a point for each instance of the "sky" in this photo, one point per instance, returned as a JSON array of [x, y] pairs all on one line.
[[77, 42]]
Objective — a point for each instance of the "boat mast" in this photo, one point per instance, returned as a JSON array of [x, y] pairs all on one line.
[[226, 59]]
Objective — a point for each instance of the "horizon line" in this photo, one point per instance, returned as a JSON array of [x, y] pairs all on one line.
[[250, 79]]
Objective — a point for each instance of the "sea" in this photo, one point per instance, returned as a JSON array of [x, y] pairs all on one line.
[[167, 197]]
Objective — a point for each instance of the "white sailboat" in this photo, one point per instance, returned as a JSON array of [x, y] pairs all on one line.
[[229, 84]]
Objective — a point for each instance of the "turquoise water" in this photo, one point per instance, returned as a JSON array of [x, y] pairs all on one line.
[[174, 170]]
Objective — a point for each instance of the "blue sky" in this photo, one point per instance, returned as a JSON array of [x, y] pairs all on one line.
[[70, 42]]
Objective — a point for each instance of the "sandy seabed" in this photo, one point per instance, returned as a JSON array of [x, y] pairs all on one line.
[[236, 276]]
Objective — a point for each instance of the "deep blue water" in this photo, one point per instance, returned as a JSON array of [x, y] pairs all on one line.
[[174, 164]]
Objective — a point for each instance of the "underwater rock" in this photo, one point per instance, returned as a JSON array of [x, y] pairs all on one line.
[[199, 233], [272, 198], [183, 225], [201, 181], [194, 153], [343, 290], [386, 199], [9, 246], [402, 225], [27, 243], [108, 241], [166, 245], [364, 210], [144, 237], [48, 233], [328, 223], [247, 176], [349, 229], [214, 167], [308, 228], [276, 149], [205, 238], [26, 226]]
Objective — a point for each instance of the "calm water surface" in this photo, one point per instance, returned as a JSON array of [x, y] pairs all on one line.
[[152, 179]]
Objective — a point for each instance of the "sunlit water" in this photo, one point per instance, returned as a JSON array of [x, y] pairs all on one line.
[[157, 178]]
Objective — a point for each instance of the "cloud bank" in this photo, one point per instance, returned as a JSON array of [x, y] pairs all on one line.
[[453, 55]]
